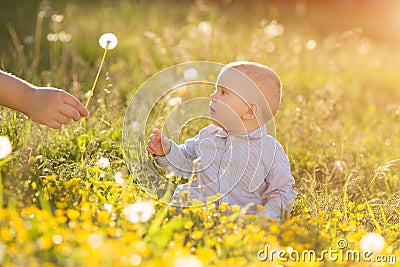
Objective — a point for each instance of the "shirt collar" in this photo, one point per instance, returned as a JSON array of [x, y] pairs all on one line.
[[255, 134]]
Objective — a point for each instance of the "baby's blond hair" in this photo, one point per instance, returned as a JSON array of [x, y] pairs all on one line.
[[267, 80]]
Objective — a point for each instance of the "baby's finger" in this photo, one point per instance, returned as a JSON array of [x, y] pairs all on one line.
[[152, 148], [156, 131], [149, 149], [155, 138]]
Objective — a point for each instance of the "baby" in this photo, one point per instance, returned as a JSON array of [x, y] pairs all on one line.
[[234, 157]]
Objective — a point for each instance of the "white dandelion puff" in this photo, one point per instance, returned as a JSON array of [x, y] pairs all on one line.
[[140, 211], [274, 29], [119, 178], [372, 242], [175, 101], [95, 240], [188, 260], [205, 27], [190, 74], [103, 162], [108, 207], [5, 147], [108, 41]]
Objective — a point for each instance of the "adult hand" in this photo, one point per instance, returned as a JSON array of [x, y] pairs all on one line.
[[54, 107]]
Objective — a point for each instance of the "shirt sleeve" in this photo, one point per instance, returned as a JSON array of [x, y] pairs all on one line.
[[179, 160], [280, 193]]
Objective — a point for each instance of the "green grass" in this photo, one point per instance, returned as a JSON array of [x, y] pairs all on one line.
[[338, 122]]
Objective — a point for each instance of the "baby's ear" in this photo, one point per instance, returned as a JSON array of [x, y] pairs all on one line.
[[251, 111]]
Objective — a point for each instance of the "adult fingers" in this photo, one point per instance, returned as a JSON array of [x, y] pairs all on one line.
[[54, 124], [61, 118], [75, 103], [70, 112]]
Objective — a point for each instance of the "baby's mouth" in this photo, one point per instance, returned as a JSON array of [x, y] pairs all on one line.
[[211, 109]]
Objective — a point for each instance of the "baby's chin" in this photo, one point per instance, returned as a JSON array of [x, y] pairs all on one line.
[[215, 122]]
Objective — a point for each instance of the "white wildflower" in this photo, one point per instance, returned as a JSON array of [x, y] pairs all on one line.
[[103, 162], [95, 240], [190, 74], [5, 147], [140, 211], [372, 242], [119, 178], [108, 41], [188, 260]]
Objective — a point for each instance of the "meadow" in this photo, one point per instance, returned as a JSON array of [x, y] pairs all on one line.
[[68, 198]]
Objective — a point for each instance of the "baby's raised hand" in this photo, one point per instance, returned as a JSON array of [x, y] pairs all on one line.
[[158, 144], [54, 107]]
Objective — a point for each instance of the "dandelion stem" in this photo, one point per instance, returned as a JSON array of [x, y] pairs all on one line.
[[97, 77]]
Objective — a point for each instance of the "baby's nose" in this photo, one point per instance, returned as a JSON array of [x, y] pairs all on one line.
[[213, 96]]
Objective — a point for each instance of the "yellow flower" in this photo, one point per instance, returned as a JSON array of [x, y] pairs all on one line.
[[188, 224], [223, 206], [274, 228], [45, 242], [230, 240], [5, 234], [73, 214], [197, 235], [360, 207], [235, 208], [103, 216]]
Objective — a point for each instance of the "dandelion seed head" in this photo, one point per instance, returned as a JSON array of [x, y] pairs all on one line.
[[2, 251], [108, 207], [135, 259], [57, 239], [311, 44], [58, 18], [205, 27], [52, 37], [140, 211], [190, 74], [274, 29], [108, 41], [64, 37], [372, 242], [175, 101], [103, 162], [5, 147], [119, 178], [95, 240], [188, 260]]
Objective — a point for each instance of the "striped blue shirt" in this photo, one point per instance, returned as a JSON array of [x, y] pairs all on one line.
[[247, 170]]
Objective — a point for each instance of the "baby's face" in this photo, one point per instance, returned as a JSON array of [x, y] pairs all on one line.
[[227, 109], [231, 100]]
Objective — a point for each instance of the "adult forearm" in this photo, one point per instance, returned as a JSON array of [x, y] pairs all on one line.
[[14, 92]]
